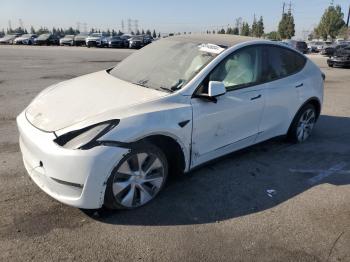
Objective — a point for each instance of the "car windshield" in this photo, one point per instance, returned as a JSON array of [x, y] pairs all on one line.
[[69, 36], [166, 65], [96, 35], [136, 38], [43, 36]]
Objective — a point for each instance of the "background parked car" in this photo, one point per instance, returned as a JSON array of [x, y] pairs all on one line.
[[115, 41], [139, 41], [47, 39], [8, 39], [27, 39], [80, 40], [126, 39], [330, 50], [96, 40], [319, 46], [301, 46], [341, 57], [67, 40]]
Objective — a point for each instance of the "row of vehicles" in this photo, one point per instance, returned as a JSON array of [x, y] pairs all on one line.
[[338, 52], [89, 40]]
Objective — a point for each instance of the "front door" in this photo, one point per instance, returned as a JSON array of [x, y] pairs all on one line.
[[233, 121]]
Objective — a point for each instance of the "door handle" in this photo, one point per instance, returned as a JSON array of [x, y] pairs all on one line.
[[300, 85], [255, 98]]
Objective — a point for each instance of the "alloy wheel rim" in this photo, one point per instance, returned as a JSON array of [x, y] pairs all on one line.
[[305, 125], [138, 179]]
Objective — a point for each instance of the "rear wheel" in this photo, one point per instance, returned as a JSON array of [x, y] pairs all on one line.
[[303, 124], [137, 179]]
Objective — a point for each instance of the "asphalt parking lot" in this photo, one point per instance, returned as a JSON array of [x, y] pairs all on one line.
[[271, 202]]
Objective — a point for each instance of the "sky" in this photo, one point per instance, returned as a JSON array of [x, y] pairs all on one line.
[[162, 15]]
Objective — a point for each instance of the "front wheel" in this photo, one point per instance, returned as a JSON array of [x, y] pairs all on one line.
[[137, 179], [303, 124]]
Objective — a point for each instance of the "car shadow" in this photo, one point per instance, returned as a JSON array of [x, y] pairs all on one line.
[[248, 181]]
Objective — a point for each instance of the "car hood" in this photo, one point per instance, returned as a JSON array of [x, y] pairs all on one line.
[[22, 38], [93, 38], [66, 39], [85, 97]]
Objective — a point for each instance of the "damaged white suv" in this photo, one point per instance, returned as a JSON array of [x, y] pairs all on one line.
[[110, 138]]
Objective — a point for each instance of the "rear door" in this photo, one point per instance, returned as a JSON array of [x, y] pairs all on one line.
[[284, 81]]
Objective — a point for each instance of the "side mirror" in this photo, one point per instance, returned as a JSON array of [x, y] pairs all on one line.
[[216, 89]]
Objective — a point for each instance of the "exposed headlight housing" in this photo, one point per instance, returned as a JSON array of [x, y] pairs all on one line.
[[87, 137]]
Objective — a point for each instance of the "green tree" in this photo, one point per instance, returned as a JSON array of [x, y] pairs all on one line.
[[331, 22], [245, 31], [222, 31], [255, 29], [32, 30], [154, 35], [235, 31], [229, 31], [138, 32], [286, 27], [260, 27], [273, 36], [143, 32], [158, 35], [344, 33], [148, 32]]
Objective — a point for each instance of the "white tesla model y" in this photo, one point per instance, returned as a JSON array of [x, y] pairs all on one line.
[[110, 138]]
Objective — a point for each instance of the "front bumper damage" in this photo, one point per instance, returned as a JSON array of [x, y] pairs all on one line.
[[74, 177]]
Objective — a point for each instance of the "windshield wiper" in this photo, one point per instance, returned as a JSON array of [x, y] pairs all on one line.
[[141, 83], [166, 89]]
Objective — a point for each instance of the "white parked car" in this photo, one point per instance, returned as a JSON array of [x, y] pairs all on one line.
[[67, 40], [96, 40], [27, 39], [111, 138]]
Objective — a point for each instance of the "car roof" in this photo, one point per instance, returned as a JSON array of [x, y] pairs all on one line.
[[216, 39]]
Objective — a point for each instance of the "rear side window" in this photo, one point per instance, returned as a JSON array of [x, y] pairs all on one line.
[[281, 62]]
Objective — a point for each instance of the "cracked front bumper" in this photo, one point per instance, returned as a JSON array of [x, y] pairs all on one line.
[[73, 177]]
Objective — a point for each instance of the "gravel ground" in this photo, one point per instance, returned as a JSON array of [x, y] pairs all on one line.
[[220, 212]]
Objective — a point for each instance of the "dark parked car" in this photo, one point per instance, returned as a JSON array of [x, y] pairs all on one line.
[[330, 50], [47, 39], [341, 57], [79, 40], [126, 39], [139, 41], [301, 46], [115, 41]]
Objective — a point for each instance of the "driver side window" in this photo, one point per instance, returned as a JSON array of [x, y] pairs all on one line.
[[240, 69]]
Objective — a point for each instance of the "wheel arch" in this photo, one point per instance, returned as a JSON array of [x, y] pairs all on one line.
[[313, 101], [172, 149]]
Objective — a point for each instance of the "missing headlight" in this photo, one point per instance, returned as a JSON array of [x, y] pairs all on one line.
[[86, 138]]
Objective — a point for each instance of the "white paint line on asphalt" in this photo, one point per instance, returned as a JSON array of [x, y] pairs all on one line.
[[322, 174]]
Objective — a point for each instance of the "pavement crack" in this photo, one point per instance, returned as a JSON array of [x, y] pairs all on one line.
[[333, 246]]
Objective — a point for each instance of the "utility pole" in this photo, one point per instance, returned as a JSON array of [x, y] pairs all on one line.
[[123, 27], [290, 7], [284, 5]]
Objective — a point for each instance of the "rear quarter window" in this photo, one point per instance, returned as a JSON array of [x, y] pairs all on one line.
[[281, 62]]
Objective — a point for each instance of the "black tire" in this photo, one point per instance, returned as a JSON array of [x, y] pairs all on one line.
[[293, 130], [111, 201]]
